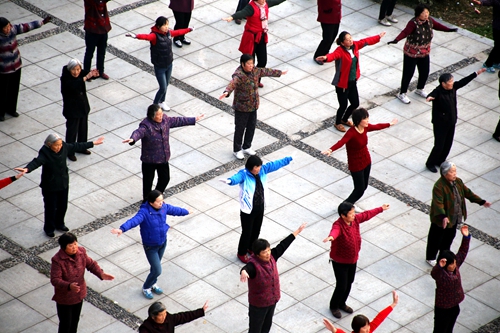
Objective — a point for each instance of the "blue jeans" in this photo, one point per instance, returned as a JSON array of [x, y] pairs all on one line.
[[154, 255], [163, 76]]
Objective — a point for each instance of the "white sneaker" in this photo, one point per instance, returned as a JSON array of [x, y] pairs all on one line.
[[249, 151], [403, 98], [164, 106], [421, 92], [239, 155], [392, 19], [431, 262], [384, 22]]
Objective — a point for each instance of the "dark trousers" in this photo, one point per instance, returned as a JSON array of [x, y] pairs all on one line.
[[409, 64], [444, 319], [261, 319], [181, 22], [69, 316], [360, 180], [242, 4], [443, 140], [494, 56], [93, 41], [439, 239], [330, 31], [250, 228], [344, 96], [148, 174], [55, 205], [244, 123], [260, 51], [344, 274], [386, 8], [76, 129], [9, 91], [497, 130]]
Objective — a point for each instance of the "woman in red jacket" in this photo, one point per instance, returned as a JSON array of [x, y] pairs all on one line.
[[347, 72], [358, 156], [329, 15]]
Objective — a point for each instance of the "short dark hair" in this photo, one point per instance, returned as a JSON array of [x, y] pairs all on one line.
[[345, 208], [445, 77], [341, 37], [153, 195], [156, 308], [420, 8], [244, 58], [161, 21], [358, 322], [260, 245], [358, 115], [152, 109], [252, 162], [449, 256], [65, 239]]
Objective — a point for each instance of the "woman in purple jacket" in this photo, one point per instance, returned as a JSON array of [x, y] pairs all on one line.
[[152, 217], [154, 131]]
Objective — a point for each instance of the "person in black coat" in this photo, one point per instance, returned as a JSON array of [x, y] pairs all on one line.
[[55, 178], [76, 106], [161, 321], [444, 116]]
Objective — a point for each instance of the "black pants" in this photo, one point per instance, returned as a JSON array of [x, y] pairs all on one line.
[[244, 123], [344, 96], [148, 174], [261, 319], [443, 140], [76, 129], [444, 319], [250, 228], [9, 91], [69, 316], [55, 205], [181, 22], [439, 239], [344, 274], [241, 4], [260, 51], [330, 31], [93, 41], [409, 64], [360, 180], [386, 8], [497, 130], [494, 56]]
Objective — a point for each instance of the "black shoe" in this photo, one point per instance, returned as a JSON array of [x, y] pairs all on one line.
[[336, 313], [319, 62], [346, 308], [237, 21], [431, 168], [50, 234], [178, 43], [72, 158], [496, 137], [14, 114], [186, 41], [63, 228], [86, 152]]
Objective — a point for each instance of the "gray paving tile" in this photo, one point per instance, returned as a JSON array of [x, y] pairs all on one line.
[[201, 261], [10, 311], [473, 313], [396, 278]]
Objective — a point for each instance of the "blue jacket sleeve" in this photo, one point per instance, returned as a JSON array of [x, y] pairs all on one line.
[[176, 211], [276, 165], [134, 221], [238, 178]]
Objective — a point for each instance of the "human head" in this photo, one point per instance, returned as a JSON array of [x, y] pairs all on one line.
[[448, 170], [420, 8], [360, 324], [155, 113], [344, 208], [446, 81], [358, 115], [74, 66], [451, 259], [158, 312], [344, 39], [155, 199], [54, 142], [162, 23], [253, 164], [66, 239], [259, 248], [247, 62], [5, 25]]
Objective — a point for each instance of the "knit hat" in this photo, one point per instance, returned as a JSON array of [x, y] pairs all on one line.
[[445, 167], [3, 22], [73, 63], [53, 137]]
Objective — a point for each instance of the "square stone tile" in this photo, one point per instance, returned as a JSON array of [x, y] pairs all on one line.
[[383, 269], [230, 317], [390, 172], [113, 92], [42, 327], [232, 287], [293, 282], [399, 238], [132, 259], [474, 314], [10, 310], [483, 259], [206, 228], [226, 245], [299, 318], [21, 279], [177, 243], [27, 233], [173, 278], [116, 327], [194, 295], [302, 251], [201, 262], [104, 243], [203, 197], [292, 216], [316, 202]]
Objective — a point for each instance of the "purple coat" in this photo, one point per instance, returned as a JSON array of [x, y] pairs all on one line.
[[183, 6], [155, 137]]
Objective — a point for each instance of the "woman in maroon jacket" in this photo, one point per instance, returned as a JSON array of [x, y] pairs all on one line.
[[346, 57], [182, 12], [329, 15], [160, 321]]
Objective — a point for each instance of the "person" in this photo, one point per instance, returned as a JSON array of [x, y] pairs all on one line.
[[245, 84], [152, 218], [345, 241], [444, 116], [448, 210], [9, 180], [385, 16], [160, 321], [67, 276], [496, 134], [55, 178], [255, 37], [182, 10], [160, 39], [347, 72], [154, 131], [76, 105], [96, 26], [361, 324], [449, 291], [261, 273], [417, 49], [329, 15], [358, 156], [493, 60], [11, 63], [253, 193]]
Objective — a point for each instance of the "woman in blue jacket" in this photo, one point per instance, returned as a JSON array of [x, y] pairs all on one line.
[[253, 191], [152, 217]]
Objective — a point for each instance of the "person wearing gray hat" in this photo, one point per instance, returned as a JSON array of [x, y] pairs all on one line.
[[55, 178], [10, 63], [448, 210]]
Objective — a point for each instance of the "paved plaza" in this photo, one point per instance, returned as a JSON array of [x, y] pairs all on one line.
[[295, 120]]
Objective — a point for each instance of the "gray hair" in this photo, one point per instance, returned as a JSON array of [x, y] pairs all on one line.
[[156, 308], [445, 167], [73, 63], [53, 137]]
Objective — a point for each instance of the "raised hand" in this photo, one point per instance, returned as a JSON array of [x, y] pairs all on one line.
[[244, 276]]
